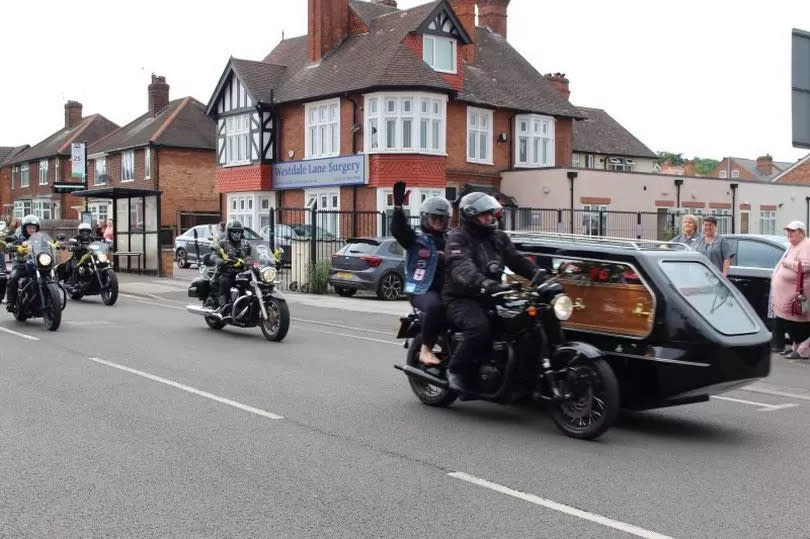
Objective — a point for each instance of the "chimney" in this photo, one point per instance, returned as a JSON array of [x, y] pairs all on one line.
[[73, 114], [389, 3], [560, 83], [465, 11], [492, 13], [689, 168], [765, 165], [158, 95], [328, 25]]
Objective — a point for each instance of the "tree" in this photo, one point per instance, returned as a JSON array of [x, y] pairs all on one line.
[[705, 166], [675, 158]]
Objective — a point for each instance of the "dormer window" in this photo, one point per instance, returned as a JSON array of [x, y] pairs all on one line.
[[440, 53]]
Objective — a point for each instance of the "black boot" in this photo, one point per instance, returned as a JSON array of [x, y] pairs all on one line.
[[457, 383]]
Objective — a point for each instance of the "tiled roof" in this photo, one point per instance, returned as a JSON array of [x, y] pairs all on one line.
[[367, 11], [600, 133], [182, 123], [7, 153], [751, 166], [90, 129]]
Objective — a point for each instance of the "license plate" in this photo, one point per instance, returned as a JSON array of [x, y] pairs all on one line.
[[345, 275]]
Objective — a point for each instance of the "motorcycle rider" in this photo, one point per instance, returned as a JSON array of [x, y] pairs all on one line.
[[424, 263], [82, 240], [476, 256], [226, 252], [28, 227]]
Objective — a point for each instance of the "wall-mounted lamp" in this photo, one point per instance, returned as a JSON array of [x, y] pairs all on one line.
[[291, 154], [503, 137], [546, 189]]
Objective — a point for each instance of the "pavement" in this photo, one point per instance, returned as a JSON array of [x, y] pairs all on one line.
[[138, 420]]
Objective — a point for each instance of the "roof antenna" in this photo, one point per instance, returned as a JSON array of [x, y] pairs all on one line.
[[282, 34]]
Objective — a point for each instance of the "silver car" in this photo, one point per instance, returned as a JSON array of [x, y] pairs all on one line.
[[376, 264], [186, 246]]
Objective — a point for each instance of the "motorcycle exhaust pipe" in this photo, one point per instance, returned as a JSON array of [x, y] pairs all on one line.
[[203, 311], [423, 375]]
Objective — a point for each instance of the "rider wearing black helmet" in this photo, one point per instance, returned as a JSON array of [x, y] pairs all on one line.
[[476, 256], [424, 263], [28, 227], [227, 251]]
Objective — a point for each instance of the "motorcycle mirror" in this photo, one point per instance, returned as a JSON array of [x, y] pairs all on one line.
[[539, 276]]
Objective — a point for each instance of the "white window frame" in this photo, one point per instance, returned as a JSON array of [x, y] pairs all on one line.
[[43, 172], [322, 133], [479, 128], [100, 169], [25, 176], [421, 115], [147, 163], [590, 161], [723, 174], [593, 210], [429, 52], [723, 222], [45, 209], [95, 209], [618, 164], [56, 177], [330, 195], [575, 160], [237, 140], [767, 222], [23, 208], [15, 170], [534, 140], [128, 166], [735, 173]]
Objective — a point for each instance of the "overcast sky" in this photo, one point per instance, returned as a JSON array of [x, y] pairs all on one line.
[[706, 78]]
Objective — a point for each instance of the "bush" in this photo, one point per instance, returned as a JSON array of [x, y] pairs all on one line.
[[319, 277]]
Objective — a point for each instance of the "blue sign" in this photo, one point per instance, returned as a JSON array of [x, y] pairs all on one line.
[[327, 172]]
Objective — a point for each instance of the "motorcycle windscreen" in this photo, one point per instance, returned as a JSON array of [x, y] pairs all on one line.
[[40, 243]]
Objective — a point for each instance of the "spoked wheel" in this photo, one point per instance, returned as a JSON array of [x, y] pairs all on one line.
[[594, 403], [390, 287], [109, 292], [278, 320], [52, 314], [181, 258], [425, 392]]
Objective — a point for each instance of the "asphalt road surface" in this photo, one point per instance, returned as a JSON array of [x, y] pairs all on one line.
[[139, 420]]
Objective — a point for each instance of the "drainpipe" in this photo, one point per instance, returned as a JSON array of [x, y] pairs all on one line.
[[734, 206], [807, 212], [571, 177], [678, 183]]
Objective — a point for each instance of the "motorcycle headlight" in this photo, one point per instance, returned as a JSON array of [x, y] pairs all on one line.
[[563, 307], [44, 260], [269, 274], [102, 258]]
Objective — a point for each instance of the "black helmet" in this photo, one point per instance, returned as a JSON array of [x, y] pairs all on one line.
[[235, 230], [85, 231], [29, 220], [474, 204], [436, 206]]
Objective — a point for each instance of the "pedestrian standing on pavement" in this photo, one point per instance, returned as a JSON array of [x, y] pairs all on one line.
[[794, 265], [716, 248], [108, 231], [218, 231], [689, 231]]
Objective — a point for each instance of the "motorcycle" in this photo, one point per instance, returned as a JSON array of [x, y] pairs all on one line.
[[255, 301], [39, 294], [94, 273], [530, 360]]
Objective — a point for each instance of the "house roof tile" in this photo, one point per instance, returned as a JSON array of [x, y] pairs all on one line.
[[90, 129], [600, 133]]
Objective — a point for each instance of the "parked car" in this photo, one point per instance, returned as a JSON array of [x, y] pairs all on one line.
[[376, 264], [752, 266], [186, 246], [284, 234]]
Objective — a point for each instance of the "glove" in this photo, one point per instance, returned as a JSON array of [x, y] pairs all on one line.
[[400, 194], [493, 287]]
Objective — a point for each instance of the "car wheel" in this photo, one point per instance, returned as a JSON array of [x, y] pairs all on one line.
[[390, 287], [345, 292], [182, 258]]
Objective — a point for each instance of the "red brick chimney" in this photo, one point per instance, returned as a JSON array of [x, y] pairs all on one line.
[[492, 13], [73, 114], [560, 83], [158, 95], [329, 22], [765, 165], [465, 11]]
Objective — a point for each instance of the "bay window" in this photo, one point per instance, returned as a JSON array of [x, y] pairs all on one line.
[[439, 53], [479, 135], [127, 166], [237, 133], [535, 141], [323, 129], [405, 123]]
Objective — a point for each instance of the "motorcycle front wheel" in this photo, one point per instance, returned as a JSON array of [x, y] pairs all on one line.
[[109, 293], [594, 403], [52, 314], [425, 392], [278, 320]]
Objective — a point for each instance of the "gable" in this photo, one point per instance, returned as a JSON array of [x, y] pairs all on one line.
[[230, 93], [442, 21]]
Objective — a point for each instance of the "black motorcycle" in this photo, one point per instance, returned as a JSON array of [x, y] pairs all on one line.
[[254, 298], [92, 274], [530, 360], [39, 295]]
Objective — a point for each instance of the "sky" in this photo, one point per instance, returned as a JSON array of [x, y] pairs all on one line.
[[702, 78]]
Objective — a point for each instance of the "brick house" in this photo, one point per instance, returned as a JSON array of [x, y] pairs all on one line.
[[798, 173], [34, 172], [761, 169], [7, 154], [168, 149], [373, 94]]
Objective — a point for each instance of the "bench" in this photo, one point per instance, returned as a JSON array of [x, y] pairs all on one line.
[[129, 255]]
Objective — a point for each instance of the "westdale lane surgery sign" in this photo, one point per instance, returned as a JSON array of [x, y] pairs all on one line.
[[327, 172]]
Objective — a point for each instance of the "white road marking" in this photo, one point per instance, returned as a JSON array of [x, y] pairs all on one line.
[[351, 336], [562, 508], [178, 385], [762, 406], [166, 305], [18, 334], [340, 326], [776, 392]]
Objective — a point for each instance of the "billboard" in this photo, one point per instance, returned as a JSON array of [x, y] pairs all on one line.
[[801, 88], [327, 172]]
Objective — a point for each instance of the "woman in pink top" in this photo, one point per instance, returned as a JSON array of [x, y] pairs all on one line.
[[108, 232], [783, 283]]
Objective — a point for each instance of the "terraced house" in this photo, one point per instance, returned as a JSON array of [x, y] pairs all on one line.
[[373, 94]]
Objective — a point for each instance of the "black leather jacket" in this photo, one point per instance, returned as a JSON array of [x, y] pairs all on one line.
[[475, 256], [232, 250]]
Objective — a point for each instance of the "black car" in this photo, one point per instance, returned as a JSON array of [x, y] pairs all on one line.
[[752, 266]]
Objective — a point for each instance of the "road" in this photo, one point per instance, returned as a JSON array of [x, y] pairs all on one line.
[[139, 420]]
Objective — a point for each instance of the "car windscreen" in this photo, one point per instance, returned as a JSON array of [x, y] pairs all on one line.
[[709, 296], [361, 248], [250, 235]]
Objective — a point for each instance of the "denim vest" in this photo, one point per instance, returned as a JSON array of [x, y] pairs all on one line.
[[421, 262]]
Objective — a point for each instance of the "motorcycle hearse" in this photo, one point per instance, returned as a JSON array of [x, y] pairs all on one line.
[[655, 317]]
